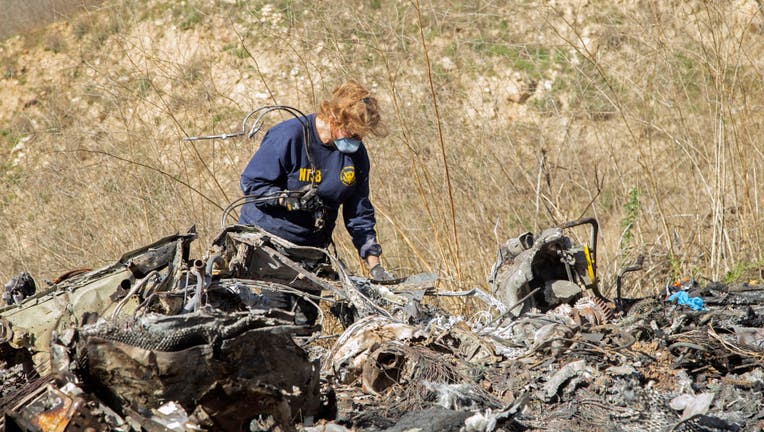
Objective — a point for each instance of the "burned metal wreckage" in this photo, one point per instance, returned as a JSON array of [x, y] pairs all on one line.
[[233, 341]]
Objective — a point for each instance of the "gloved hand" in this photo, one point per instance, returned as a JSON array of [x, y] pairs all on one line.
[[379, 273], [290, 200], [310, 200], [306, 199]]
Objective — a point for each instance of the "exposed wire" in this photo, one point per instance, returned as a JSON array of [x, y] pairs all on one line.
[[257, 125], [151, 276], [244, 200]]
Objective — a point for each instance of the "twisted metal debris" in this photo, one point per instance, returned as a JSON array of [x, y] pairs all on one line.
[[236, 340]]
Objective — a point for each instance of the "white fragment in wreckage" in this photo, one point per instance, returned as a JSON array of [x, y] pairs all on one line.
[[457, 397], [349, 353], [623, 370], [750, 336], [173, 416], [480, 422], [692, 405], [570, 370], [328, 427]]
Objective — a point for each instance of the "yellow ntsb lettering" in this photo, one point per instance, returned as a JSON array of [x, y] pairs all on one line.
[[309, 175]]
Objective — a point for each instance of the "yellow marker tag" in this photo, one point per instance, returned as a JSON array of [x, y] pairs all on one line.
[[589, 263]]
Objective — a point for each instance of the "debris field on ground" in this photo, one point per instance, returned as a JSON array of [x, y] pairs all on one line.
[[237, 340]]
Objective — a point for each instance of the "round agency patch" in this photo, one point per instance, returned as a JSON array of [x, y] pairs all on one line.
[[347, 175]]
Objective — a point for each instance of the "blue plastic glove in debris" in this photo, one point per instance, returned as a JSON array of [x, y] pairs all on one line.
[[682, 298]]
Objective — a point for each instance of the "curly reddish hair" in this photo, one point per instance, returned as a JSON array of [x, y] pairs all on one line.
[[353, 109]]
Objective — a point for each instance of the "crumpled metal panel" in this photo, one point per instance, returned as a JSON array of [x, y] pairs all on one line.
[[186, 356], [347, 357], [33, 321], [64, 304], [513, 274], [261, 256], [50, 409]]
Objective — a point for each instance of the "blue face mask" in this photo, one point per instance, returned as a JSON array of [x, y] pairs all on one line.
[[347, 145]]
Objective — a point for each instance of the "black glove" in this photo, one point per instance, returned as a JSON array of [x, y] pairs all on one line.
[[310, 200], [379, 273], [306, 199], [290, 200]]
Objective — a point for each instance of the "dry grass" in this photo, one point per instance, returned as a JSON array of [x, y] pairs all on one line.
[[25, 15], [503, 119]]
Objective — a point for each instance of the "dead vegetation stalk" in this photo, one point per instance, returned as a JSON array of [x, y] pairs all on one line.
[[152, 168], [580, 46], [457, 260], [659, 99]]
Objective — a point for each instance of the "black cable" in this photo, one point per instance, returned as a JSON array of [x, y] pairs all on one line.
[[243, 200], [297, 114], [256, 126]]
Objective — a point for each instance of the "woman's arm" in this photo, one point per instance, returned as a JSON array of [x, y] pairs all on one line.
[[265, 174]]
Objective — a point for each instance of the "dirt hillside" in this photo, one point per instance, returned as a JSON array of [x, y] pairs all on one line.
[[503, 119]]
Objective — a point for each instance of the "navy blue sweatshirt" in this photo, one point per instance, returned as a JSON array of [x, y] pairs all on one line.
[[343, 179]]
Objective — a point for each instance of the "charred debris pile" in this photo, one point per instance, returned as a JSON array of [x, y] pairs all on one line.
[[233, 341]]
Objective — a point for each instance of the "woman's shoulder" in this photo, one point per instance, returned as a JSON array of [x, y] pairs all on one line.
[[292, 126], [361, 158]]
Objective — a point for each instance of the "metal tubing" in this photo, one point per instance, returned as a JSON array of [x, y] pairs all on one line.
[[592, 235], [194, 302], [133, 291], [216, 258], [238, 202], [634, 267]]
